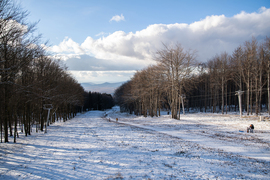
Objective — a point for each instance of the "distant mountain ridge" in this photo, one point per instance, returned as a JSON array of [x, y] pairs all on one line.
[[106, 87]]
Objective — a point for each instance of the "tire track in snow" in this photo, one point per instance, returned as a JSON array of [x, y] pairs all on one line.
[[203, 138], [215, 156]]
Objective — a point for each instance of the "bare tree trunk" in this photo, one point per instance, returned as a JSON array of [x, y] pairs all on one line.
[[222, 95], [256, 97], [268, 88], [251, 98], [15, 126], [215, 99], [10, 123], [1, 125], [158, 103], [179, 108], [226, 97], [6, 116], [248, 91], [205, 95]]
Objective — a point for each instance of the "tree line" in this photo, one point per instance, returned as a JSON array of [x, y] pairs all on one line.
[[178, 80], [29, 78], [33, 82], [97, 101]]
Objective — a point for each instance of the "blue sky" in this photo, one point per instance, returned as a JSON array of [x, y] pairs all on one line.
[[85, 32]]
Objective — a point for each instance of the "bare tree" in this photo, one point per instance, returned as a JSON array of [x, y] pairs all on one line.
[[29, 78], [250, 52], [177, 64], [267, 59], [14, 41]]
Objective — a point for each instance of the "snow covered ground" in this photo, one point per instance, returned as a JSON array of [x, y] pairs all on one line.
[[199, 146]]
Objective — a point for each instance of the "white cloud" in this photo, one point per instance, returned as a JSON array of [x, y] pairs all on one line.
[[86, 62], [101, 34], [209, 36], [117, 18], [102, 76], [67, 46], [11, 26]]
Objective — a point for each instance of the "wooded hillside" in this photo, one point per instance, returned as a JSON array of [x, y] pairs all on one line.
[[211, 86]]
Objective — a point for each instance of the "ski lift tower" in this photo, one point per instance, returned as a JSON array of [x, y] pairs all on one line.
[[239, 93], [47, 107]]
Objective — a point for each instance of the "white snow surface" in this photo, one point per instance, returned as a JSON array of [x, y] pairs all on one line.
[[92, 146]]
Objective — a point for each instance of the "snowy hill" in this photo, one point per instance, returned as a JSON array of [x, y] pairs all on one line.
[[199, 146], [102, 88]]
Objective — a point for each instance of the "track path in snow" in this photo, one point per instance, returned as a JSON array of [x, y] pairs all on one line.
[[221, 138], [90, 147]]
